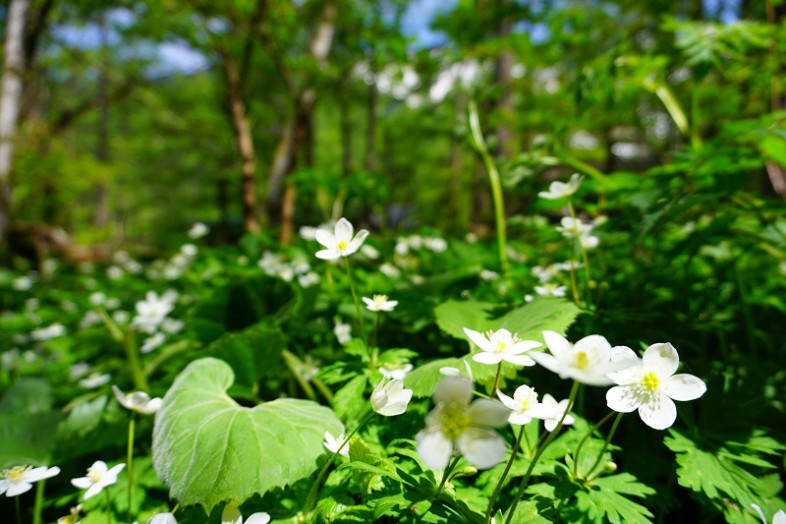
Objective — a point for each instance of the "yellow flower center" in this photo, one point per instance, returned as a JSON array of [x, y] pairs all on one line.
[[582, 361], [16, 473], [94, 474], [342, 245], [650, 381], [454, 420], [500, 346]]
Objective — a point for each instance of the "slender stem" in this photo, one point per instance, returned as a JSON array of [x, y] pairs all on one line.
[[509, 465], [496, 380], [312, 496], [581, 247], [445, 475], [39, 502], [18, 510], [296, 367], [132, 356], [130, 461], [108, 507], [354, 295], [584, 439], [373, 349], [605, 445], [552, 435], [496, 185], [573, 286]]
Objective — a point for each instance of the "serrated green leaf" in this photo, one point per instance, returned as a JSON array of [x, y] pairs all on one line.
[[605, 500], [208, 449]]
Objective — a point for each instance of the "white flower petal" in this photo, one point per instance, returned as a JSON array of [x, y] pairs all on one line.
[[231, 515], [82, 482], [479, 339], [684, 387], [93, 490], [454, 389], [258, 518], [623, 353], [594, 345], [622, 399], [506, 400], [328, 254], [344, 230], [662, 359], [487, 412], [522, 346], [17, 488], [34, 475], [356, 242], [519, 419], [518, 360], [630, 375], [557, 344], [487, 358], [483, 448], [548, 361], [659, 413], [779, 517], [434, 448]]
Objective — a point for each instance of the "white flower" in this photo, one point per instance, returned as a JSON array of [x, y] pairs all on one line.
[[389, 270], [47, 333], [390, 398], [152, 342], [343, 332], [97, 298], [22, 283], [778, 518], [650, 386], [559, 190], [587, 361], [380, 303], [393, 371], [152, 311], [308, 232], [455, 425], [189, 250], [369, 252], [546, 273], [172, 325], [114, 273], [523, 405], [488, 274], [572, 227], [121, 316], [19, 479], [98, 477], [340, 243], [271, 263], [138, 401], [93, 380], [333, 444], [162, 518], [551, 412], [91, 318], [501, 345], [79, 370], [232, 515], [551, 289], [435, 244], [309, 279], [198, 230]]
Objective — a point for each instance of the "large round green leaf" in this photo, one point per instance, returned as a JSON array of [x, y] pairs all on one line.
[[209, 449]]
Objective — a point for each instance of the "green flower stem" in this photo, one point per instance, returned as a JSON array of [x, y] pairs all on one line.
[[312, 495], [496, 185], [605, 445], [39, 502], [496, 380], [509, 465], [552, 435], [132, 357], [573, 287], [584, 439], [451, 466], [18, 510], [108, 507], [296, 366], [354, 295], [130, 461], [373, 348]]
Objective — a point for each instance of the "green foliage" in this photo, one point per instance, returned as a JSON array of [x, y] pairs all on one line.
[[204, 441]]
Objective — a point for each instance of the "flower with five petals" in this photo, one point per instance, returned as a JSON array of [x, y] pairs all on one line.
[[501, 345], [339, 243]]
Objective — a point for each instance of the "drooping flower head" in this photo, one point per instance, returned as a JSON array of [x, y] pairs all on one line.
[[19, 479], [650, 386], [456, 426], [501, 345], [340, 243], [390, 398], [587, 361], [559, 189], [138, 401], [98, 477]]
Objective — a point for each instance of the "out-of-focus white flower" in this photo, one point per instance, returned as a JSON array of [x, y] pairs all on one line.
[[389, 270], [114, 273], [93, 380], [10, 359], [270, 263], [435, 244], [369, 252], [73, 516], [380, 303], [333, 444], [395, 371], [552, 412], [307, 232], [456, 426], [778, 518], [162, 518], [572, 227], [587, 361], [650, 386], [22, 283], [570, 264], [528, 298], [390, 398], [152, 342], [78, 370], [133, 267], [471, 238], [488, 274], [198, 230], [98, 477], [189, 250], [524, 405], [32, 303], [308, 279], [551, 289], [559, 190], [121, 317], [341, 242], [546, 273], [47, 333], [138, 401], [456, 372], [97, 298], [501, 345], [300, 265], [152, 311], [19, 479], [343, 332], [91, 318], [232, 515], [172, 325]]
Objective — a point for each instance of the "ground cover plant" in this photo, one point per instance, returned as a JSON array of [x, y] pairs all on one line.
[[552, 293]]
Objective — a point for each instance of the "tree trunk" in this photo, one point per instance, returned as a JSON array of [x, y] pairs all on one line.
[[370, 162], [245, 144], [10, 95], [100, 205]]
